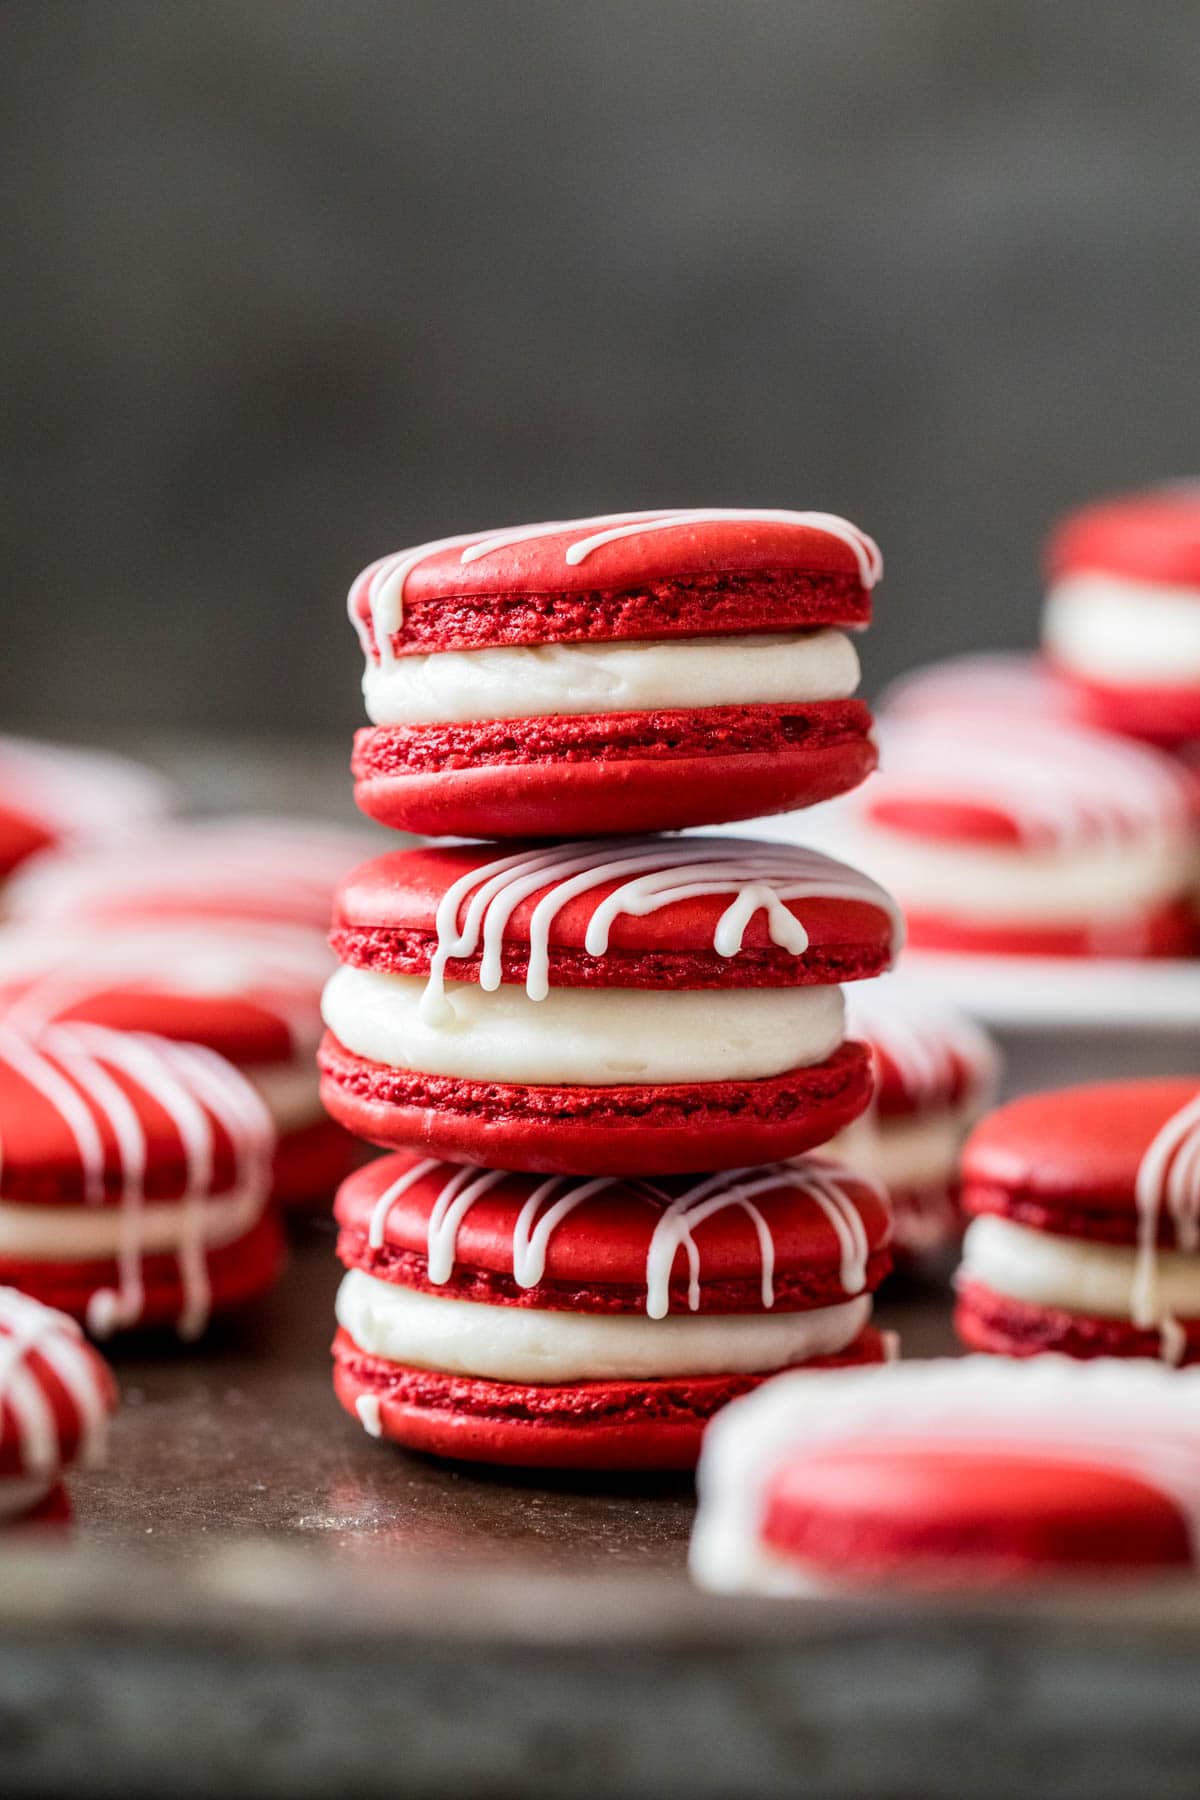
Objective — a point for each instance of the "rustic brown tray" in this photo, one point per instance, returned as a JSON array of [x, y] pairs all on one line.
[[257, 1598]]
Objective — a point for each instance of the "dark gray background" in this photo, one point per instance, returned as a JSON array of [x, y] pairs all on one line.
[[293, 284]]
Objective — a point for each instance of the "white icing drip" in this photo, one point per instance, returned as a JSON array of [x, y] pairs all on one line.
[[1168, 1175], [26, 1329], [387, 578], [761, 877], [927, 1045], [367, 1407], [70, 1067], [823, 1183], [1061, 786]]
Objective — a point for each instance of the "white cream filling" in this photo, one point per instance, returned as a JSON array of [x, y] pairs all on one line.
[[96, 1233], [1072, 1273], [904, 1152], [1018, 885], [530, 680], [593, 1037], [1124, 632], [290, 1091], [515, 1343]]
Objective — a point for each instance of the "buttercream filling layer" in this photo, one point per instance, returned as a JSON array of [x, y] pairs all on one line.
[[1073, 1274], [1124, 633], [99, 1233], [588, 1037], [904, 1152], [531, 681], [1029, 885], [510, 1343]]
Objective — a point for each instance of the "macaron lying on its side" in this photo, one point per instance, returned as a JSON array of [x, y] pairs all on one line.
[[631, 672]]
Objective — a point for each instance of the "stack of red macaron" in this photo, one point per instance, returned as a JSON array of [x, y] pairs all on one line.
[[598, 1059]]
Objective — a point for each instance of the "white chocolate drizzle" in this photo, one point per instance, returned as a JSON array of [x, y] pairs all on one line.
[[72, 1068], [826, 1185], [1168, 1177], [930, 1047], [29, 1329], [650, 874], [386, 579]]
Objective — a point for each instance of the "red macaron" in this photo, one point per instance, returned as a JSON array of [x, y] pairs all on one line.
[[951, 1474], [53, 796], [663, 1006], [935, 1073], [1086, 1223], [1122, 619], [631, 672], [250, 991], [137, 1176], [592, 1323], [1028, 837], [56, 1396]]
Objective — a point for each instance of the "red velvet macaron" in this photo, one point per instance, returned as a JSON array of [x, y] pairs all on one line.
[[1086, 1223], [592, 1323], [649, 1005], [951, 1474], [234, 870], [136, 1180], [935, 1073], [56, 1396], [1122, 618], [54, 796], [1005, 836], [249, 991], [631, 672]]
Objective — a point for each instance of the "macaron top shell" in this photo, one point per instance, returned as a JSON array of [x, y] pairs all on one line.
[[243, 869], [1084, 1146], [51, 794], [86, 1115], [682, 912], [1149, 537], [56, 1393], [669, 1240], [690, 572], [1048, 785], [251, 992]]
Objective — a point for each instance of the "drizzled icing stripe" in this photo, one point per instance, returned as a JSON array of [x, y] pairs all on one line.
[[1059, 784], [1168, 1177], [757, 877], [386, 579], [70, 1066], [29, 1329], [825, 1184]]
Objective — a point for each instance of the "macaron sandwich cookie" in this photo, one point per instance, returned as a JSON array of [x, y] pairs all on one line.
[[951, 1474], [636, 1005], [250, 991], [1028, 838], [581, 1322], [632, 672], [935, 1074], [1085, 1233], [56, 1395], [1122, 614], [136, 1176], [53, 796]]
